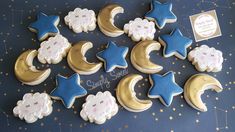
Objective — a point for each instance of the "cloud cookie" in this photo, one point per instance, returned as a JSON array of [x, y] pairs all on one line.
[[33, 107], [53, 50], [206, 59], [99, 107], [81, 20], [140, 29]]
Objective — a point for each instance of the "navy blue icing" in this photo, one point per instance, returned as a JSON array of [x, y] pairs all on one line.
[[160, 13], [164, 87], [113, 56], [176, 42], [68, 89], [45, 25]]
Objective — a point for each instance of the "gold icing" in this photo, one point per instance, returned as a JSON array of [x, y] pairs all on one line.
[[26, 72], [140, 56], [196, 85], [106, 22], [126, 95], [77, 60]]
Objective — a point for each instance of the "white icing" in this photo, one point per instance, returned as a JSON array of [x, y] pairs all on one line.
[[53, 50], [99, 107], [81, 20], [140, 29], [206, 58], [33, 107]]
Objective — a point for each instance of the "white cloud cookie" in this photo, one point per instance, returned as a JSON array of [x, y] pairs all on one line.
[[206, 59], [99, 107], [81, 20], [33, 107], [140, 29], [53, 50]]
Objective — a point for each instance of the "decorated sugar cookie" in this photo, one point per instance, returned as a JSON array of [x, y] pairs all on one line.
[[81, 20], [175, 44], [33, 107], [161, 13], [140, 29], [45, 26], [140, 56], [195, 87], [26, 72], [98, 108], [105, 20], [77, 60], [206, 59], [127, 97], [68, 89], [113, 56], [164, 87], [53, 50]]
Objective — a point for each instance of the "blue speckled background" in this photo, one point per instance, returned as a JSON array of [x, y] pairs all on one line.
[[16, 15]]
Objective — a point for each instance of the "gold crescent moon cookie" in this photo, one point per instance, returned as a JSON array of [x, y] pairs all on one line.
[[140, 57], [77, 61], [126, 95], [26, 72], [106, 20], [195, 87]]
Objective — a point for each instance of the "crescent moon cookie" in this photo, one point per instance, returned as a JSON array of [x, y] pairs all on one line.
[[45, 26], [26, 72], [33, 107], [140, 29], [161, 13], [175, 44], [81, 20], [53, 50], [106, 20], [206, 59], [140, 56], [98, 108], [77, 61], [113, 56], [127, 97], [164, 87], [68, 89], [195, 87]]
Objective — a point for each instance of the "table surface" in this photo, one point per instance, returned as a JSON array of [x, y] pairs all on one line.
[[179, 117]]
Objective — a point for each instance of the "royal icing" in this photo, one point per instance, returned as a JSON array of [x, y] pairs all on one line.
[[68, 89], [175, 44], [45, 26], [53, 50], [113, 56], [81, 20], [99, 107], [161, 14], [206, 59], [164, 87], [33, 107], [140, 29]]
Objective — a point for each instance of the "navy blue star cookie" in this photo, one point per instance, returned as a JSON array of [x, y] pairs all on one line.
[[164, 87], [113, 56], [175, 44], [45, 26], [161, 13], [68, 89]]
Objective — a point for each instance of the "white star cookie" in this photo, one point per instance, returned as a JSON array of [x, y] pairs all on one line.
[[206, 59], [140, 29], [53, 50], [81, 20], [33, 107], [99, 107]]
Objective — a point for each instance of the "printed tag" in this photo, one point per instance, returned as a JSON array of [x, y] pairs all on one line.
[[205, 25]]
